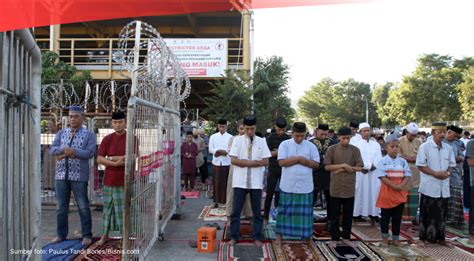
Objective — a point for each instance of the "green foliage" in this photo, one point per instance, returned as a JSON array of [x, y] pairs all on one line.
[[336, 103], [430, 93], [270, 81], [232, 99], [466, 94], [54, 70], [380, 95]]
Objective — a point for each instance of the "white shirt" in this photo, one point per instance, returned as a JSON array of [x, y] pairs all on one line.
[[438, 159], [369, 150], [217, 142], [355, 138], [298, 178], [465, 141], [249, 178]]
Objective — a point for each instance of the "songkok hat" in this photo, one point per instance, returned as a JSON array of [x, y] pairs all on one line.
[[354, 124], [250, 120], [412, 128], [118, 115], [364, 125], [76, 109], [299, 127], [280, 122], [222, 122], [343, 131], [323, 126], [438, 126], [455, 129], [391, 137]]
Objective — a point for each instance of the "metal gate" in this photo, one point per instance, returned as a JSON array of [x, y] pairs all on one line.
[[153, 165], [20, 90]]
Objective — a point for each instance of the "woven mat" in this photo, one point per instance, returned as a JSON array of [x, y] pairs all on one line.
[[269, 232], [209, 213], [321, 234], [111, 250], [437, 252], [245, 251], [190, 194], [367, 233], [462, 243], [245, 231], [462, 231], [408, 230], [360, 251], [297, 250], [393, 253]]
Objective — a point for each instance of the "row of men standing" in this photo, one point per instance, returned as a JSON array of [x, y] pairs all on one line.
[[356, 195]]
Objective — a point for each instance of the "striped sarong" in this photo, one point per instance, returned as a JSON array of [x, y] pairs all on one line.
[[295, 215], [455, 207], [113, 209], [411, 207]]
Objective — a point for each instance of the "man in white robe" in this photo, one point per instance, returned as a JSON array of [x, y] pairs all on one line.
[[367, 184]]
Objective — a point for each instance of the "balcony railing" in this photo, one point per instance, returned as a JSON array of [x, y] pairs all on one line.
[[96, 54]]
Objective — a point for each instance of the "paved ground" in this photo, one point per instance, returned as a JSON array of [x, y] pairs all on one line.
[[177, 234]]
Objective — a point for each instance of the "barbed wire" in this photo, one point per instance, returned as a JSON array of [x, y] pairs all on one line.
[[159, 75]]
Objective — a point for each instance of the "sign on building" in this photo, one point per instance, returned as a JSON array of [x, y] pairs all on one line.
[[200, 57]]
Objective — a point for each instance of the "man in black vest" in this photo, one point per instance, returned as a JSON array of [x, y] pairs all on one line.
[[274, 170]]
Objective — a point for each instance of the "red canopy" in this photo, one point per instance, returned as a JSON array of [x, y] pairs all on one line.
[[18, 14]]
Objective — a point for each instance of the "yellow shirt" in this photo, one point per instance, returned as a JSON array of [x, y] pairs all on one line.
[[410, 149]]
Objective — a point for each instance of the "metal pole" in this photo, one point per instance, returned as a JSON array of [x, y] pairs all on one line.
[[136, 57]]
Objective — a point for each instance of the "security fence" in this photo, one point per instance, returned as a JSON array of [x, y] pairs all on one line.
[[153, 165], [20, 89]]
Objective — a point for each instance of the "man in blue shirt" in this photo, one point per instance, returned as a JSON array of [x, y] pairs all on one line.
[[73, 148], [297, 157]]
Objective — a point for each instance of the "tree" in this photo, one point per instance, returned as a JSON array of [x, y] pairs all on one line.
[[430, 93], [337, 103], [53, 70], [270, 89], [230, 100], [380, 95], [466, 95]]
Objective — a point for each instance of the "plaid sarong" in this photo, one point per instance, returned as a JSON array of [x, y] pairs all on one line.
[[455, 207], [295, 215], [113, 209], [411, 207]]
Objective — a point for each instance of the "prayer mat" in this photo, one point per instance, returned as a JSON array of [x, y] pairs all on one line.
[[245, 231], [321, 234], [393, 253], [460, 231], [245, 251], [269, 233], [213, 214], [64, 250], [190, 194], [319, 215], [462, 243], [437, 252], [409, 231], [360, 252], [368, 233], [297, 250], [110, 250]]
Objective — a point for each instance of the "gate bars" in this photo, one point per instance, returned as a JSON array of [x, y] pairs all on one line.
[[20, 90], [152, 174]]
